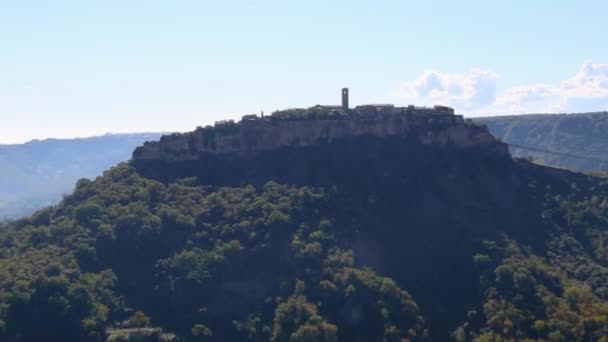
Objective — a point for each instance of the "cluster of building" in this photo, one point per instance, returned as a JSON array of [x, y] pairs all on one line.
[[386, 108], [306, 127], [345, 110]]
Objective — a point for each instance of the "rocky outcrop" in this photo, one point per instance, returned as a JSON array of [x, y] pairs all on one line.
[[249, 137]]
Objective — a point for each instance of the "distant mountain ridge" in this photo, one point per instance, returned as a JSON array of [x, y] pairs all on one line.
[[576, 135], [39, 172]]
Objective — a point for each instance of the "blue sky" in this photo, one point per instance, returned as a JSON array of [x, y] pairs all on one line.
[[79, 68]]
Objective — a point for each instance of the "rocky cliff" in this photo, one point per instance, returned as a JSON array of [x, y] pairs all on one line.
[[248, 137], [315, 150]]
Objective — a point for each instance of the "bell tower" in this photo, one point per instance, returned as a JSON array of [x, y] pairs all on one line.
[[344, 98]]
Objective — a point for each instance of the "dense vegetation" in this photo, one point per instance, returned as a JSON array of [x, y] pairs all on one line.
[[38, 173], [583, 135], [388, 242]]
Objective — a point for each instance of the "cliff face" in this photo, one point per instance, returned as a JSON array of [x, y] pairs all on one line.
[[248, 138]]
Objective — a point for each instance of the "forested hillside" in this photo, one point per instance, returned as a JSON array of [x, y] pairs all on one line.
[[365, 239], [38, 173], [583, 135]]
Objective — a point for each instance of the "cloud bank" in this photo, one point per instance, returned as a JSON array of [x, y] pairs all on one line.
[[475, 92]]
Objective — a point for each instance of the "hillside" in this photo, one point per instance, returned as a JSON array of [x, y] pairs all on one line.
[[583, 134], [426, 230], [38, 173]]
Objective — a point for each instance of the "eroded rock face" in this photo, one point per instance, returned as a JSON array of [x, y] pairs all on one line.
[[247, 138]]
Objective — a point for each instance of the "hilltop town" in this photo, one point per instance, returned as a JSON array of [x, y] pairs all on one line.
[[343, 111], [301, 127]]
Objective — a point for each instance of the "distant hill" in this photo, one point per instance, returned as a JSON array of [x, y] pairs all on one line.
[[39, 172], [582, 135]]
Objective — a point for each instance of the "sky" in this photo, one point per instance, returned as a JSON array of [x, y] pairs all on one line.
[[81, 68]]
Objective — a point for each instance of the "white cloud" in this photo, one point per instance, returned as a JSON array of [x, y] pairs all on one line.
[[476, 88], [475, 92]]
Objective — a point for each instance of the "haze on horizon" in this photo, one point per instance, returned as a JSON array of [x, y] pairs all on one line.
[[73, 69]]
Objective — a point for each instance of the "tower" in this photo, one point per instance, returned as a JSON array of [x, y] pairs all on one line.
[[344, 98]]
